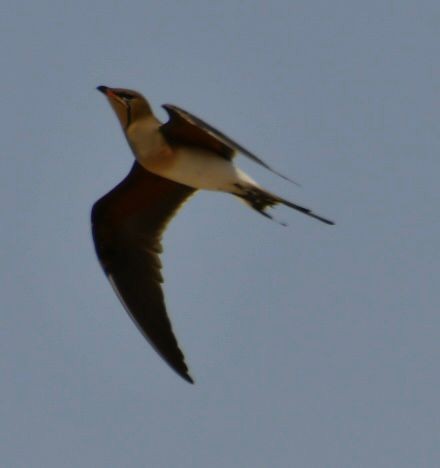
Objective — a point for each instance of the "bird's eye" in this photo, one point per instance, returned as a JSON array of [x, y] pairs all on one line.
[[126, 96]]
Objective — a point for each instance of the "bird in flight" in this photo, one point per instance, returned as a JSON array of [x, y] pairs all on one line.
[[172, 161]]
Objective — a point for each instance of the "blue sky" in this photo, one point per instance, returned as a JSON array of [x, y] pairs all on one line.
[[311, 345]]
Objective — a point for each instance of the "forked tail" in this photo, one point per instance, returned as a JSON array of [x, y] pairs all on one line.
[[259, 199]]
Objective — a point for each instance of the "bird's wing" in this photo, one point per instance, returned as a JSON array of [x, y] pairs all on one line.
[[127, 226], [186, 128]]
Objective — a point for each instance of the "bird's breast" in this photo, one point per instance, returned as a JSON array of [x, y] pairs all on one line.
[[150, 148], [193, 166], [196, 167]]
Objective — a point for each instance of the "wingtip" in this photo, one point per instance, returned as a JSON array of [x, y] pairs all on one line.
[[325, 220], [294, 182], [183, 371], [188, 378]]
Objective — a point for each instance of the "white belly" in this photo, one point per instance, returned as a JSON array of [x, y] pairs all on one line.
[[203, 169]]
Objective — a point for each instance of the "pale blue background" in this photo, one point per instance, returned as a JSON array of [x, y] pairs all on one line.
[[312, 346]]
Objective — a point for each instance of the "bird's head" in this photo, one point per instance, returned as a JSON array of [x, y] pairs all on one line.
[[128, 105]]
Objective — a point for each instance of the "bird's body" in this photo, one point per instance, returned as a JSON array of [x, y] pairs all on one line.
[[197, 168], [192, 165], [173, 160]]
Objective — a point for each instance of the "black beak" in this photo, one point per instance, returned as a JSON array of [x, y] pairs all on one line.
[[103, 89]]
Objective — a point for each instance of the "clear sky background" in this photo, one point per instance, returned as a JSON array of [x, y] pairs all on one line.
[[311, 345]]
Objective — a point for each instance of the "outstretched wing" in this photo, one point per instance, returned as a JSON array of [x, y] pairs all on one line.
[[186, 128], [127, 226]]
